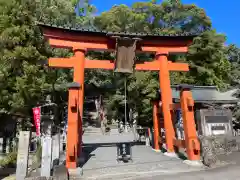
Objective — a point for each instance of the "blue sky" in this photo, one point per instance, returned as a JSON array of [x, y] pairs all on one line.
[[223, 14]]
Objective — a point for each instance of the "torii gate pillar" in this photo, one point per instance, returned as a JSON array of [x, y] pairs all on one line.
[[76, 98], [166, 94], [78, 76]]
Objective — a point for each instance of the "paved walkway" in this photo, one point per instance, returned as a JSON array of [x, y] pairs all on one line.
[[230, 172], [147, 164], [101, 160]]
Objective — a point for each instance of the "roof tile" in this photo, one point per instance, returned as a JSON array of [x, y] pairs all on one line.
[[78, 27]]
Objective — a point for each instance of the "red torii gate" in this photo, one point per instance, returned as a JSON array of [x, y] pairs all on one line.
[[82, 40]]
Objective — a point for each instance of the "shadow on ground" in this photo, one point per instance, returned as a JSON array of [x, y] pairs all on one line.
[[4, 172], [180, 154], [88, 148]]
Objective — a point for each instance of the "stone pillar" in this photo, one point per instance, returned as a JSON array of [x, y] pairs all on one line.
[[147, 142], [55, 149], [22, 156], [135, 132], [46, 141], [8, 144], [1, 145], [61, 142]]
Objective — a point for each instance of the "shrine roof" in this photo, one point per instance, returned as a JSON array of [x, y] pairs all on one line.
[[208, 94], [75, 28]]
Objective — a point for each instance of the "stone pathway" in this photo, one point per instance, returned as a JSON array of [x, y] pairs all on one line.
[[230, 172], [147, 164], [103, 165], [101, 160]]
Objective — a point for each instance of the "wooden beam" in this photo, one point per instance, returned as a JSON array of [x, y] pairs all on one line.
[[148, 66], [170, 49], [154, 66], [59, 33], [58, 43], [96, 37], [108, 64], [99, 64], [67, 38], [61, 62], [178, 66]]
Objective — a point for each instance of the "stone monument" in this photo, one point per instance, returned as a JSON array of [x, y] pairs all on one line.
[[22, 156]]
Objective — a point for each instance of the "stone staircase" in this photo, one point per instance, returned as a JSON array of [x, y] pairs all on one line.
[[97, 131], [114, 131], [92, 131]]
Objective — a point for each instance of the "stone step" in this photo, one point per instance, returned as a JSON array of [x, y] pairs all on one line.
[[92, 130], [93, 133], [114, 131], [98, 131], [130, 170]]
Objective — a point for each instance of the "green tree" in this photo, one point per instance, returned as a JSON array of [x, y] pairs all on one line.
[[170, 16], [24, 81], [57, 12], [233, 54], [208, 61], [207, 54]]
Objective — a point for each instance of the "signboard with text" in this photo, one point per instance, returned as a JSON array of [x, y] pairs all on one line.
[[124, 151]]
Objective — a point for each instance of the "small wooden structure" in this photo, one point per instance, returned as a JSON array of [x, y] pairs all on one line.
[[126, 45], [208, 95]]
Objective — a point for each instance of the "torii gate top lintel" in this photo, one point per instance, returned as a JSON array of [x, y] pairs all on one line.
[[102, 40], [125, 45], [85, 39]]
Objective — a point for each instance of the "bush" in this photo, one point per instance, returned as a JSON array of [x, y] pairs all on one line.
[[10, 160]]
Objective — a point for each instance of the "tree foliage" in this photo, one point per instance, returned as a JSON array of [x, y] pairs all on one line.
[[208, 60], [168, 17], [233, 54], [207, 54], [24, 81]]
